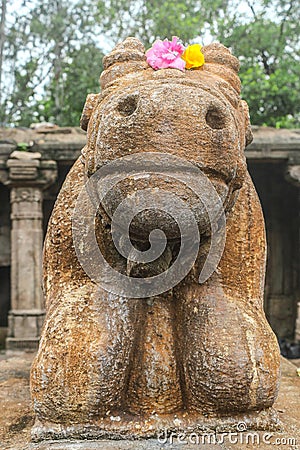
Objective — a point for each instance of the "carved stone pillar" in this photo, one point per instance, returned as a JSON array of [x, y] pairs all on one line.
[[293, 175], [27, 177]]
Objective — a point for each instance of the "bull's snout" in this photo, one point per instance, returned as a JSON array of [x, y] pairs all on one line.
[[210, 111], [174, 118]]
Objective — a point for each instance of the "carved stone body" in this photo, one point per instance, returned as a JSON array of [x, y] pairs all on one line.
[[198, 355]]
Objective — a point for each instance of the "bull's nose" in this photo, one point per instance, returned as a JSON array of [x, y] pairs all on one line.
[[128, 104], [216, 118], [209, 110]]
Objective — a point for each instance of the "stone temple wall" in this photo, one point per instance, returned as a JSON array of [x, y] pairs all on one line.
[[33, 165]]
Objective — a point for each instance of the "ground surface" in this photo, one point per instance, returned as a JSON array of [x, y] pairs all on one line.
[[16, 417]]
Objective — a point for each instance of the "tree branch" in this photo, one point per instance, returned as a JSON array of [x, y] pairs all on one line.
[[2, 41], [281, 30], [252, 9]]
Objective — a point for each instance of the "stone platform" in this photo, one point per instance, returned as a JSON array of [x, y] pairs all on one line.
[[16, 418]]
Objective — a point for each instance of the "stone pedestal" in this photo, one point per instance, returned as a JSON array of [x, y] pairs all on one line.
[[27, 177]]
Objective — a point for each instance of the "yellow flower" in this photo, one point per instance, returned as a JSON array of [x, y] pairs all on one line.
[[193, 56]]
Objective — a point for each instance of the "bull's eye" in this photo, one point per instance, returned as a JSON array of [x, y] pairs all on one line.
[[215, 118], [127, 105]]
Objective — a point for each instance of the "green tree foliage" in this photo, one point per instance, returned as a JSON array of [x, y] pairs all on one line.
[[80, 76], [152, 19], [268, 46], [51, 51], [50, 55]]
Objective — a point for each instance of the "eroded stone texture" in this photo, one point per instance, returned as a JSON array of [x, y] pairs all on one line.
[[199, 355]]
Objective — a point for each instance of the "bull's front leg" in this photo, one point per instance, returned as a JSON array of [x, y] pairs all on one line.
[[82, 363], [81, 369], [230, 354]]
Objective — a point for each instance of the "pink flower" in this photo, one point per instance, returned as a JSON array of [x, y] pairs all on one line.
[[164, 54]]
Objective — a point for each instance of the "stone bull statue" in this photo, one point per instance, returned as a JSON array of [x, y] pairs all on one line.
[[199, 354]]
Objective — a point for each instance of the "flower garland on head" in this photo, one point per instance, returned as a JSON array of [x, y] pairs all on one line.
[[172, 54]]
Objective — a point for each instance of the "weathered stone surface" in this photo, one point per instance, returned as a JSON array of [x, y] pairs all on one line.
[[25, 156], [200, 356]]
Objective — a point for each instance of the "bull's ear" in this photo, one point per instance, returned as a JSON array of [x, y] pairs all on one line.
[[88, 108], [248, 131]]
